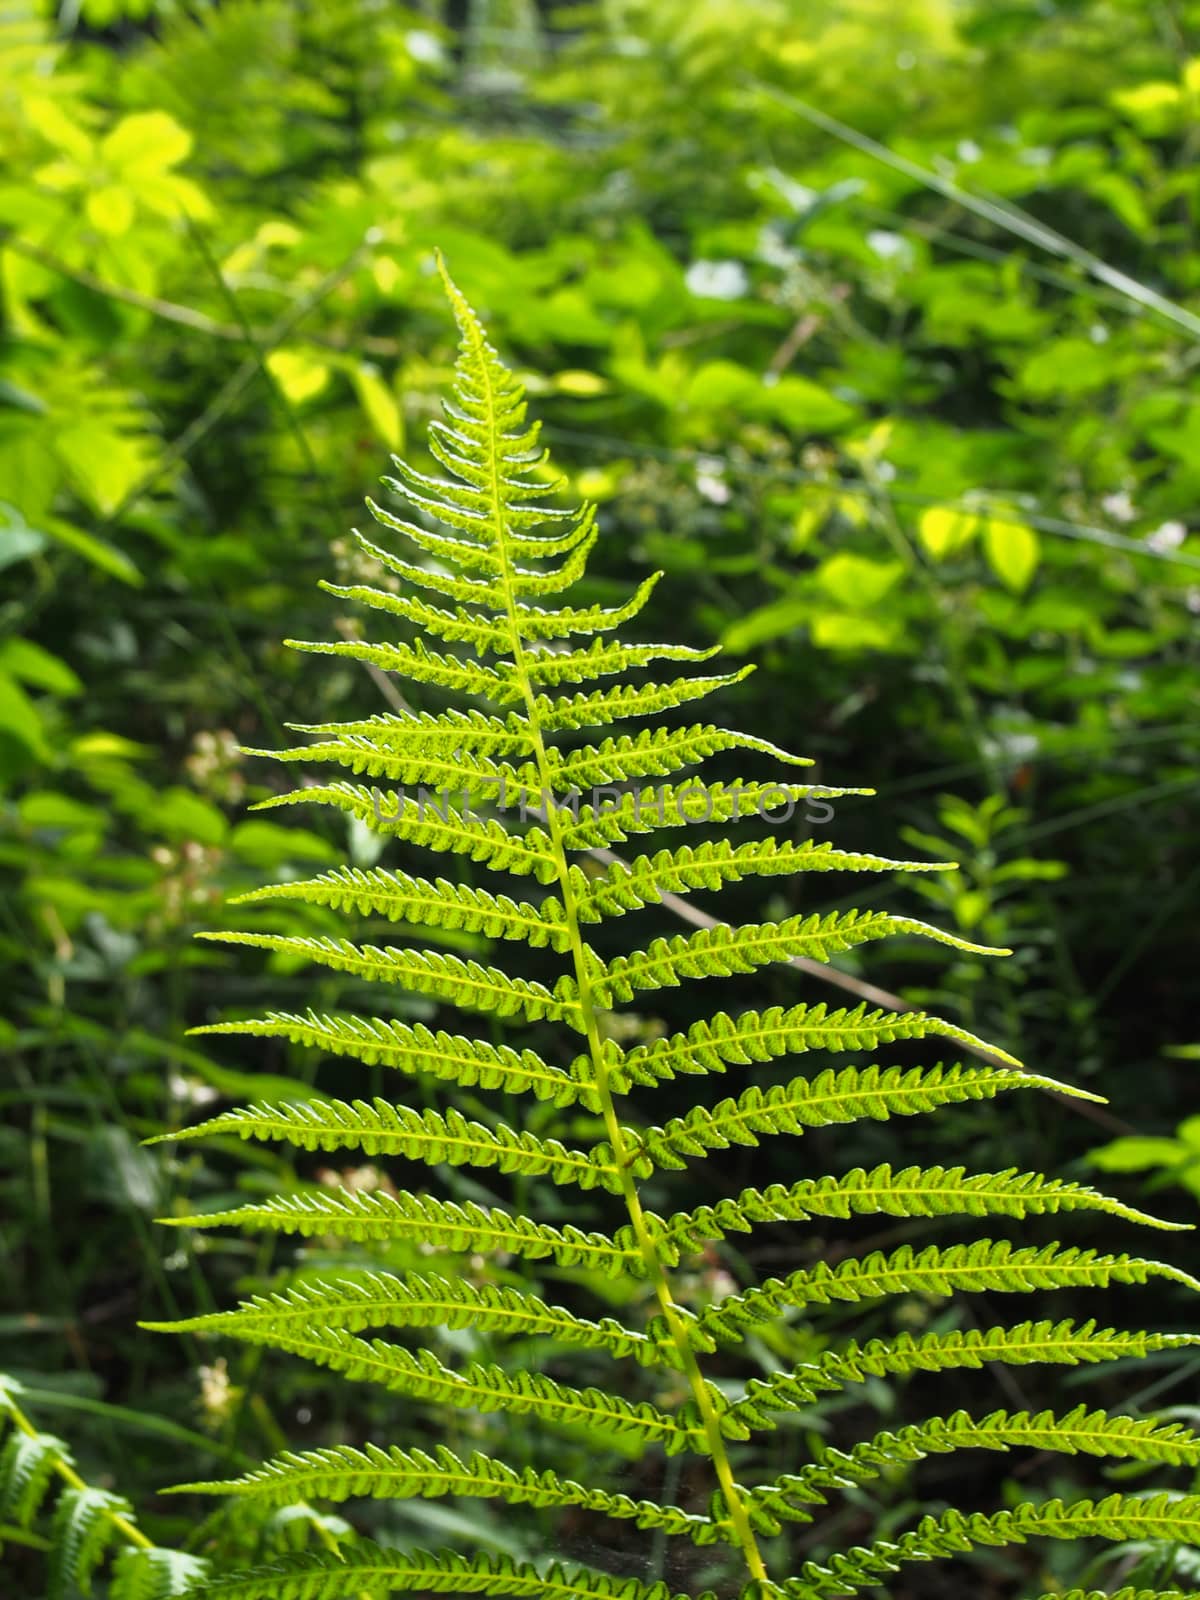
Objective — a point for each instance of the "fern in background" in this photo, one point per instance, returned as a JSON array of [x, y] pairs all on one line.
[[486, 554], [86, 1527]]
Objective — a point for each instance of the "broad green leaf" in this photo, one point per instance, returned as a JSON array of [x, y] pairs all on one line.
[[580, 383], [719, 385], [379, 403], [145, 142], [181, 814], [945, 531], [844, 630], [266, 844], [18, 716], [857, 582], [110, 208], [47, 116], [300, 375], [37, 667], [1154, 108], [98, 551], [1138, 1152], [804, 406], [767, 623], [1012, 551]]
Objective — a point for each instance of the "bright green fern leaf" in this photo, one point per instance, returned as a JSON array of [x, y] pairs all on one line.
[[1092, 1433], [518, 769], [382, 1300], [375, 1571], [156, 1574], [347, 1473], [40, 1488]]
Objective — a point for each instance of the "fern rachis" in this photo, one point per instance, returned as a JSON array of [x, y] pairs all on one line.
[[486, 552]]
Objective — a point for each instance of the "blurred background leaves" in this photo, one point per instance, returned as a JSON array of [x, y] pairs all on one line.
[[869, 322]]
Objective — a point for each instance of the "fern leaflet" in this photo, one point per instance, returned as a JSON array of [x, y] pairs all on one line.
[[486, 565]]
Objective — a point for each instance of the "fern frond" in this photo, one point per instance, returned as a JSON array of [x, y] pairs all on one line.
[[487, 542], [434, 824], [27, 1467], [155, 1574], [430, 903], [469, 555], [548, 668], [1128, 1592], [484, 1387], [501, 683], [345, 1473], [414, 1048], [429, 820], [654, 753], [1079, 1432], [724, 950], [450, 673], [449, 585], [437, 772], [538, 623], [379, 1128], [445, 977], [526, 583], [460, 1229], [627, 886], [381, 1299], [455, 627], [756, 1036], [679, 805], [1064, 1343], [367, 1567], [987, 1265], [1163, 1516], [832, 1097], [81, 1533], [910, 1192], [450, 730], [604, 706]]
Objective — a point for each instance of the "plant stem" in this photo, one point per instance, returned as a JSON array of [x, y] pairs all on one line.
[[623, 1156], [67, 1473], [739, 1521]]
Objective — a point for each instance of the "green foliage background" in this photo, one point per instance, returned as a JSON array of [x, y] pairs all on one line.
[[870, 322]]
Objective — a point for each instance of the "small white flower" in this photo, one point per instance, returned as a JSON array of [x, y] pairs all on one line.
[[1119, 506], [968, 150], [717, 280], [424, 47], [1168, 536], [888, 246], [190, 1090], [219, 1396], [713, 488]]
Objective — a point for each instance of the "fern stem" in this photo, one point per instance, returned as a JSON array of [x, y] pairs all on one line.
[[71, 1478], [623, 1156], [739, 1521]]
